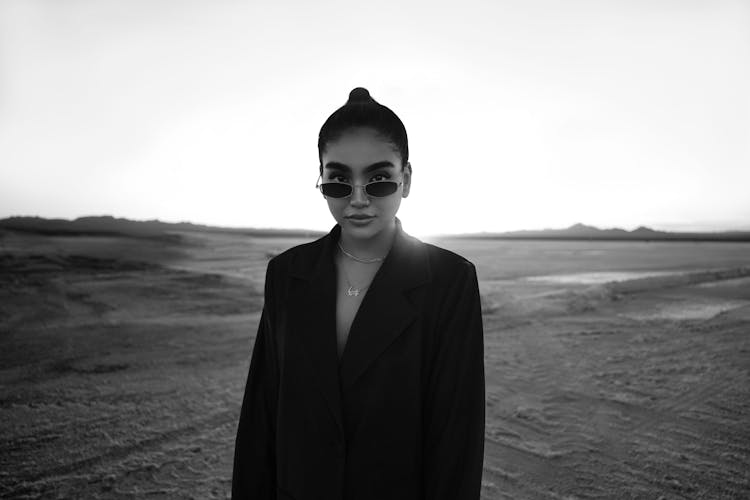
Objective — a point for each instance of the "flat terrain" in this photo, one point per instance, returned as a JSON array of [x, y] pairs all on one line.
[[614, 369]]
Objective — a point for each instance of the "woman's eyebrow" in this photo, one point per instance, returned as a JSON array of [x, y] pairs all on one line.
[[334, 165]]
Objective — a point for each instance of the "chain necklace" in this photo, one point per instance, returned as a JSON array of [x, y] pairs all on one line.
[[355, 291], [352, 291], [358, 259]]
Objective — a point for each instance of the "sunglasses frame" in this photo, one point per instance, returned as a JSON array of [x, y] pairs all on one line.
[[319, 186]]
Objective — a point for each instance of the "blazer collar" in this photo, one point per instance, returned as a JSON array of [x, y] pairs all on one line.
[[383, 315]]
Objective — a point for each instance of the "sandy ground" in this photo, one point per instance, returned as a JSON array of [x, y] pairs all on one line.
[[614, 370]]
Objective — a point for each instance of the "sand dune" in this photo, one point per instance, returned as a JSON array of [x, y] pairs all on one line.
[[614, 369]]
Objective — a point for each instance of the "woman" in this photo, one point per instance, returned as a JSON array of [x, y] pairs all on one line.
[[367, 378]]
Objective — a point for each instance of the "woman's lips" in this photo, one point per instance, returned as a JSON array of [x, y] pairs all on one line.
[[360, 220]]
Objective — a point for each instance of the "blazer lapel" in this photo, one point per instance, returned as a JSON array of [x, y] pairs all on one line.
[[383, 314], [312, 316], [385, 311]]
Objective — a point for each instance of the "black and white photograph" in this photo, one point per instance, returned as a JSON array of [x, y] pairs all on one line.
[[394, 250]]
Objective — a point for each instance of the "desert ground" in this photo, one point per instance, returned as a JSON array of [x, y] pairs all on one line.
[[613, 369]]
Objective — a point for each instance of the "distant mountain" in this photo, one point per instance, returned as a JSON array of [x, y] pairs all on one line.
[[584, 232], [106, 225]]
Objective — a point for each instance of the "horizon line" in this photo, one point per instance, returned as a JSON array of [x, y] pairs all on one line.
[[655, 227]]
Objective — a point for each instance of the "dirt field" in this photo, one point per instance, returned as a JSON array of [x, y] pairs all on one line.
[[614, 369]]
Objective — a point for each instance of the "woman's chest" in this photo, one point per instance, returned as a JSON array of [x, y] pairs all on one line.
[[346, 310], [352, 285]]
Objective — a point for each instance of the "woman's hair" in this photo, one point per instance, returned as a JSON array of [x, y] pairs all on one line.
[[361, 110]]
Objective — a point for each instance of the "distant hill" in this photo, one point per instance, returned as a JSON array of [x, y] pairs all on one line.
[[106, 225], [584, 232], [110, 226]]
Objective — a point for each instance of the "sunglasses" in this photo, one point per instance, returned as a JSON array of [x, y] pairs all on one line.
[[378, 189]]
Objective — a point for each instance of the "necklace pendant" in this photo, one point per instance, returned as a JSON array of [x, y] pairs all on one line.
[[352, 292]]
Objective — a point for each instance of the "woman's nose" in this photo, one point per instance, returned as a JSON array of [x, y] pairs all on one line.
[[359, 197]]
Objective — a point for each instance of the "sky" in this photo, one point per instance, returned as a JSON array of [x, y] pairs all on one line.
[[523, 114]]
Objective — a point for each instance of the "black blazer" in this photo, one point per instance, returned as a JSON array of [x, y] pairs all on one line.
[[401, 416]]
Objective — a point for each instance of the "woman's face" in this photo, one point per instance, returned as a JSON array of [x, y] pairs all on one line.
[[358, 157]]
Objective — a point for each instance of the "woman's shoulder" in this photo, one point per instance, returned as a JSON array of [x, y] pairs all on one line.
[[302, 248], [452, 276], [447, 263], [445, 256], [298, 256]]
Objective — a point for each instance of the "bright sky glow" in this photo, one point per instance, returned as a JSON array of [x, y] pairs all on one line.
[[521, 114]]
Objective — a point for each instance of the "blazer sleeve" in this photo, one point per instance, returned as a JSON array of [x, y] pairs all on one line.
[[455, 397], [254, 472]]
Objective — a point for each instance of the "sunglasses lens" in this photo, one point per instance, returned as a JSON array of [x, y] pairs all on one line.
[[380, 189], [336, 189]]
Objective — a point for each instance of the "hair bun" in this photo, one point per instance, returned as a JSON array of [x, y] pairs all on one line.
[[359, 95]]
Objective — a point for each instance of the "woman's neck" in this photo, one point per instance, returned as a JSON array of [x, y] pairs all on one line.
[[370, 248]]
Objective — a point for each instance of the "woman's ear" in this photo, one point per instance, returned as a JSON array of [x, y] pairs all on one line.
[[407, 179]]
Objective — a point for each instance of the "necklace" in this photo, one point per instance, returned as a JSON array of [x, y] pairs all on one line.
[[354, 257], [352, 291]]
